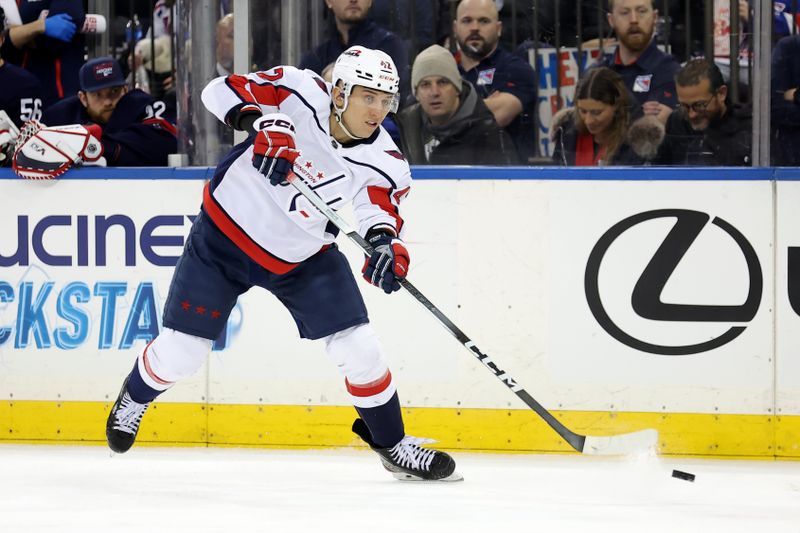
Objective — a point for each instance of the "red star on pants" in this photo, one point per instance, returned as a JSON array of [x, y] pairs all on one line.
[[215, 314], [200, 310], [186, 305]]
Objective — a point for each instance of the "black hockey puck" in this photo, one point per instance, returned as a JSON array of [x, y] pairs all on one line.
[[686, 476]]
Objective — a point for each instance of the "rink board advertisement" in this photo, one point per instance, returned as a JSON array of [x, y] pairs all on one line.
[[617, 304], [787, 305]]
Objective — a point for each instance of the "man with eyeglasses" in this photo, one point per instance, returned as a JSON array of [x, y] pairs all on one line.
[[134, 128], [706, 129]]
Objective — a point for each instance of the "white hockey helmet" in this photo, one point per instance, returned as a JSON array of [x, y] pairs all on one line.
[[369, 68]]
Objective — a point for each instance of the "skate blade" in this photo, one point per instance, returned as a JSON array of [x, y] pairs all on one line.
[[402, 476]]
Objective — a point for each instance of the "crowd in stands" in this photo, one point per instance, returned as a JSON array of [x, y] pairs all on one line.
[[467, 96]]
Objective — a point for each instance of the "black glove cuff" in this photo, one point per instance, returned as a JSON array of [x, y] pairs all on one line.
[[378, 231], [242, 117]]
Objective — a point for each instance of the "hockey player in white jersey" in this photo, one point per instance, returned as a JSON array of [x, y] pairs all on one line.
[[256, 229]]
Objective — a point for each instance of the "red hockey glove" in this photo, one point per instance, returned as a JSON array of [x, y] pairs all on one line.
[[274, 150], [388, 264]]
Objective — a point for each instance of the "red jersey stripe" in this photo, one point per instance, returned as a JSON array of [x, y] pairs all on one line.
[[239, 85], [381, 196], [241, 239], [269, 94]]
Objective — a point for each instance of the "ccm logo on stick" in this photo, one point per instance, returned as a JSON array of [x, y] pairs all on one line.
[[646, 299]]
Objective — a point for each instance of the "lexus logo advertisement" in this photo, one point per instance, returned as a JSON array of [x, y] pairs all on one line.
[[646, 299]]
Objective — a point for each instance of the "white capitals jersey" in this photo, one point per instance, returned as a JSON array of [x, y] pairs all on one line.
[[275, 225]]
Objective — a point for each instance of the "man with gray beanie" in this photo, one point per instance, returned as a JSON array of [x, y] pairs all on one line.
[[450, 124]]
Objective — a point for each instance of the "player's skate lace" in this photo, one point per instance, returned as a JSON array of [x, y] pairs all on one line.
[[408, 454], [406, 460], [129, 415]]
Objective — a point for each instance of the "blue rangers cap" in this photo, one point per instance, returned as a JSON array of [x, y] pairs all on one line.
[[101, 73]]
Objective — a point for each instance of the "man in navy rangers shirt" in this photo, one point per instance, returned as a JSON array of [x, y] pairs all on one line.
[[134, 128], [505, 81], [648, 72]]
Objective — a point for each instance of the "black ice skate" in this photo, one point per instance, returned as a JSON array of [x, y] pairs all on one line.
[[123, 421], [407, 461]]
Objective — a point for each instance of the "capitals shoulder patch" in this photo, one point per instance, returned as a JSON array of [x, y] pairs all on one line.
[[396, 154]]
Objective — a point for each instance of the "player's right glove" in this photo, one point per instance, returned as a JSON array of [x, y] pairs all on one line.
[[274, 149], [388, 263]]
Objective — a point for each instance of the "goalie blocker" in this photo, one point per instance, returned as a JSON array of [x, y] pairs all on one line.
[[44, 153]]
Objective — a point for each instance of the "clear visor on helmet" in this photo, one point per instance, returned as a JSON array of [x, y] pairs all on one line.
[[388, 103]]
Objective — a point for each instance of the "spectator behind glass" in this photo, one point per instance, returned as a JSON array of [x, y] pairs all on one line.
[[20, 99], [506, 82], [785, 18], [417, 29], [224, 48], [48, 45], [786, 101], [351, 27], [154, 71], [647, 71], [134, 128], [450, 124], [707, 130], [152, 63], [598, 131]]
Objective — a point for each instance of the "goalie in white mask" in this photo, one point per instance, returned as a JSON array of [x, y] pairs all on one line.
[[254, 229]]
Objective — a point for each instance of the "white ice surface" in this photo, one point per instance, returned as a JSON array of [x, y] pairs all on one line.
[[85, 489]]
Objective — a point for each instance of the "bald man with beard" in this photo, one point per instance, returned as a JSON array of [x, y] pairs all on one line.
[[506, 82]]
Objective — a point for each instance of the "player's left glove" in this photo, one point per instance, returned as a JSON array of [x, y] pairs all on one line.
[[388, 263], [274, 150]]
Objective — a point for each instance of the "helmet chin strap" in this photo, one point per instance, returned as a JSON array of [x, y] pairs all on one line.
[[340, 121], [338, 115]]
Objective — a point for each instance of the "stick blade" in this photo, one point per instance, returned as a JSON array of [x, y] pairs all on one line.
[[624, 444]]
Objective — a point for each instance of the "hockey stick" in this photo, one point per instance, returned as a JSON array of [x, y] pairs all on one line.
[[611, 445]]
